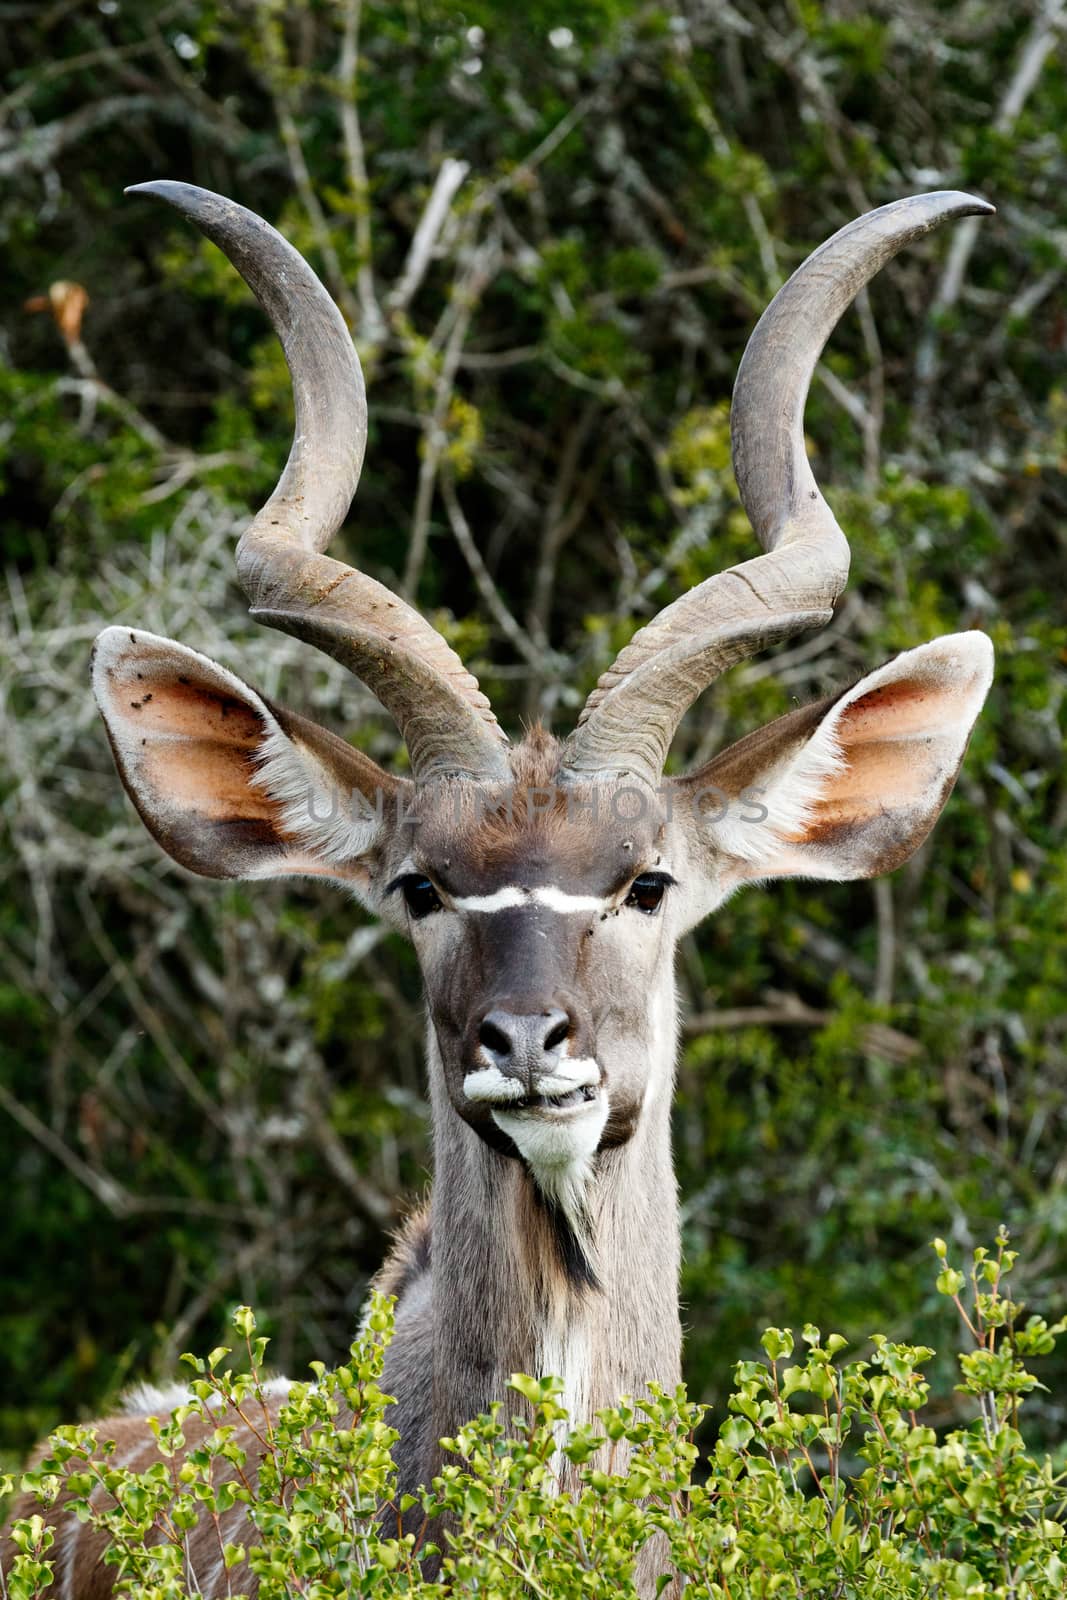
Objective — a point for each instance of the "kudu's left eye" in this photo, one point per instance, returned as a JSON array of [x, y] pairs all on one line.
[[420, 896], [647, 891]]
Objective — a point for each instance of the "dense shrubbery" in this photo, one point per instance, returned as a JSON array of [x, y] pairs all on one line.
[[825, 1480]]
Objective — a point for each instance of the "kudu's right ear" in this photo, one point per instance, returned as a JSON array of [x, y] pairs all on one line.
[[229, 785], [851, 786]]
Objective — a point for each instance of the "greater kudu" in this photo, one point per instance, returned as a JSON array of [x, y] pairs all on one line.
[[545, 885]]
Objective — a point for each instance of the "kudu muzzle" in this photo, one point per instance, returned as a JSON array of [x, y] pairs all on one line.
[[524, 1045]]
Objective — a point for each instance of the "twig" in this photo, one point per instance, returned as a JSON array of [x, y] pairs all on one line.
[[493, 360], [372, 322], [465, 296], [89, 385], [245, 1253], [721, 145], [878, 1037], [57, 69], [37, 149], [1036, 49], [875, 409], [110, 1193], [272, 41], [506, 622], [518, 176], [153, 1022], [887, 942], [447, 182], [557, 525]]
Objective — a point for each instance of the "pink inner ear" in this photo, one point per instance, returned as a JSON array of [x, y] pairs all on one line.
[[186, 748], [197, 743], [895, 711], [901, 742], [890, 741], [219, 775], [852, 784], [178, 706], [211, 778]]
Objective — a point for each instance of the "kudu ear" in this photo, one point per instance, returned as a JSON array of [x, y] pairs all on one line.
[[229, 785], [851, 786]]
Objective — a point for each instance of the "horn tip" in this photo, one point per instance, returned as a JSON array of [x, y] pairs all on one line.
[[187, 198], [964, 204], [158, 186]]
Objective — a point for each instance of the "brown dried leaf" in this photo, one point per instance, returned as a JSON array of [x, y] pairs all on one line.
[[67, 302]]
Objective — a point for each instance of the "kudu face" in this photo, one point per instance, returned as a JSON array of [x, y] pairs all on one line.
[[543, 915], [545, 885]]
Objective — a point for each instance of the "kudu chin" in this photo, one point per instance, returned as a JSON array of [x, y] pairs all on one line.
[[544, 884]]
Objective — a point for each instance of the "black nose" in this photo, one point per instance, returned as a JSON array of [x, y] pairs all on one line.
[[524, 1045]]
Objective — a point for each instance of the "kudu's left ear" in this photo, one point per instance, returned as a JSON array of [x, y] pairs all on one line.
[[851, 786], [230, 785]]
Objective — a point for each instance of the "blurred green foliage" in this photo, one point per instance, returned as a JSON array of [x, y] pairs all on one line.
[[210, 1093]]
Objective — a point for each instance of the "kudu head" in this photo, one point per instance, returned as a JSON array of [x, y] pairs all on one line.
[[545, 885]]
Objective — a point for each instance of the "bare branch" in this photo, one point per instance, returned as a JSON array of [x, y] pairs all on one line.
[[446, 185], [36, 149], [372, 323], [1037, 46], [50, 70], [104, 1188], [272, 41], [509, 627], [465, 297], [878, 1038], [551, 142], [885, 968]]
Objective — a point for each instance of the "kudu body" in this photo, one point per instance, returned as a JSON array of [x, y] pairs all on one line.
[[545, 886]]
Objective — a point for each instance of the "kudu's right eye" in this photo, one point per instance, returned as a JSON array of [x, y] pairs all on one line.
[[420, 895], [648, 890]]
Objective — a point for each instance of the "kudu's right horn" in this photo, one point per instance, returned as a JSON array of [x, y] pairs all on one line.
[[631, 716]]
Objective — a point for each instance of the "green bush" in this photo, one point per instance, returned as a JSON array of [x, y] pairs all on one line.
[[824, 1479]]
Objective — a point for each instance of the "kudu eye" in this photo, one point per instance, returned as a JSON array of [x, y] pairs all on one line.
[[420, 896], [647, 891]]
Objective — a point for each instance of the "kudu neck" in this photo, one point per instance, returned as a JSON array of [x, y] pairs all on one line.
[[502, 1301]]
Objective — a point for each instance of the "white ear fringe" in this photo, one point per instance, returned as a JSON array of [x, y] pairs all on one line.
[[962, 662], [789, 794], [334, 825]]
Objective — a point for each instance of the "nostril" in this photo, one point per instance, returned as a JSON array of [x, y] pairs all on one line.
[[522, 1043], [557, 1035], [494, 1039]]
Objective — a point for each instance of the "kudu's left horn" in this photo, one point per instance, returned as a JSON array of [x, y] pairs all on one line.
[[446, 721], [631, 716]]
